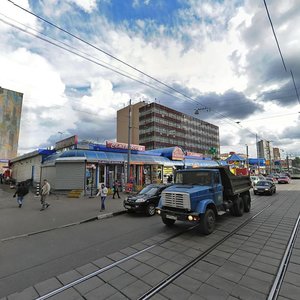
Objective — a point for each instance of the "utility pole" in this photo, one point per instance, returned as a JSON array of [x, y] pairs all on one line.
[[129, 141], [247, 158], [257, 154]]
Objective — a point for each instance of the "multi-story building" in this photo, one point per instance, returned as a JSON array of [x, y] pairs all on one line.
[[123, 123], [265, 150], [162, 127], [276, 153], [10, 116]]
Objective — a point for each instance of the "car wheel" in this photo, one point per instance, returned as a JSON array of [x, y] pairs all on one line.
[[208, 222], [238, 207], [168, 222], [150, 210]]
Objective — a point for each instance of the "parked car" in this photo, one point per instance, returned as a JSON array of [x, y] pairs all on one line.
[[271, 178], [146, 200], [254, 180], [286, 174], [284, 179], [265, 187]]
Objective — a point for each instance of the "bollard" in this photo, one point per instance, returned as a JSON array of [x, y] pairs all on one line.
[[37, 193]]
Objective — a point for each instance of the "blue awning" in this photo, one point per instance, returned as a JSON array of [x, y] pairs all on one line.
[[200, 163]]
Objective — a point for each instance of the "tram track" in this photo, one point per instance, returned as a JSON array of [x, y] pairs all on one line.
[[275, 289], [171, 277]]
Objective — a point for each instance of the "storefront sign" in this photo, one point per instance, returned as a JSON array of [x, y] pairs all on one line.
[[177, 154], [68, 142], [116, 162], [188, 153], [117, 145]]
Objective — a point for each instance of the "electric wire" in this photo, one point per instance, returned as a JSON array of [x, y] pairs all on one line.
[[119, 60], [229, 121], [278, 46], [114, 57]]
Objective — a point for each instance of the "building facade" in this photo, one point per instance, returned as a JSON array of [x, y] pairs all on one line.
[[156, 126], [10, 116], [162, 127], [123, 123], [265, 150]]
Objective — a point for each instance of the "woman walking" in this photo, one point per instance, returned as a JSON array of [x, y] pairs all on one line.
[[103, 193]]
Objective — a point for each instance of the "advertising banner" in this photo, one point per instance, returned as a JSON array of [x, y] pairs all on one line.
[[117, 145]]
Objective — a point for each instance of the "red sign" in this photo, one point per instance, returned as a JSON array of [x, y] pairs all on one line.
[[194, 154], [177, 154], [117, 145]]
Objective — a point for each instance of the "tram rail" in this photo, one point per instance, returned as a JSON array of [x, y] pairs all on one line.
[[170, 278], [275, 289]]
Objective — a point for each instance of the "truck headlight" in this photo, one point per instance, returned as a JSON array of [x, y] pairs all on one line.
[[190, 218]]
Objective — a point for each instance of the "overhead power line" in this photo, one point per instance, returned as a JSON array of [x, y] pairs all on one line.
[[231, 121], [275, 35], [278, 46]]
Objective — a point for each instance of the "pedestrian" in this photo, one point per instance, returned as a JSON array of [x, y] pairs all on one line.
[[116, 189], [21, 191], [1, 178], [45, 192], [103, 193]]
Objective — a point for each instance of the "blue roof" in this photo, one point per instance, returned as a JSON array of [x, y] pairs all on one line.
[[235, 157]]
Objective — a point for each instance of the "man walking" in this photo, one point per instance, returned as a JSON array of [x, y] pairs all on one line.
[[116, 189], [21, 191], [45, 192]]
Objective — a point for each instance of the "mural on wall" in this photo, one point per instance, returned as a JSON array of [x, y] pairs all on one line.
[[10, 116]]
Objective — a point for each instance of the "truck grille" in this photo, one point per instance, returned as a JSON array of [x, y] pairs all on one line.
[[177, 200]]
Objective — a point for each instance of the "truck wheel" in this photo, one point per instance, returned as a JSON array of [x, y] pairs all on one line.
[[150, 210], [168, 222], [208, 222], [247, 203], [238, 207]]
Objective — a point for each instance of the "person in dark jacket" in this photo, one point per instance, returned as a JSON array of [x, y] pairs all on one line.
[[116, 189], [21, 191]]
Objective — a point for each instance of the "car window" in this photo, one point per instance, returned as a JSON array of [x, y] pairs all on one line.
[[150, 191], [263, 183], [146, 189]]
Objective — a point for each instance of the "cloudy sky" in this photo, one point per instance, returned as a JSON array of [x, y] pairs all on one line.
[[219, 55]]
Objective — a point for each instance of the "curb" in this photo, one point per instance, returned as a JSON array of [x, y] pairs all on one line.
[[99, 217]]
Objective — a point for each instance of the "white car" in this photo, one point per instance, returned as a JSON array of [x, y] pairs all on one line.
[[254, 180]]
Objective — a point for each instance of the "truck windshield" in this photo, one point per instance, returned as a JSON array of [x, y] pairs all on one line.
[[199, 178]]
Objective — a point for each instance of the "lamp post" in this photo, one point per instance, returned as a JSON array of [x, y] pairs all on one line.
[[61, 133], [247, 158]]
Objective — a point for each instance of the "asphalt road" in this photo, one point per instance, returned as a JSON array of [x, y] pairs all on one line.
[[26, 261]]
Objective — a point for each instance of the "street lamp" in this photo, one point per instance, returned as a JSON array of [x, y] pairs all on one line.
[[61, 133]]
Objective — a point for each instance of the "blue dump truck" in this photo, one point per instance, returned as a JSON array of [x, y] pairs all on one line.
[[200, 195]]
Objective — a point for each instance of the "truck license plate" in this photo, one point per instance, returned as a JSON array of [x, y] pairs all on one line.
[[171, 217]]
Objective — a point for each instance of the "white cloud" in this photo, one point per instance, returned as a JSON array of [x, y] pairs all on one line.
[[103, 100], [9, 11], [87, 5]]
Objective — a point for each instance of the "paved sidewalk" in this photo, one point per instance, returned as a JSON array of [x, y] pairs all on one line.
[[63, 211]]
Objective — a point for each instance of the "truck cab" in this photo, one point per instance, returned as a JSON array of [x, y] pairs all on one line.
[[200, 195]]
